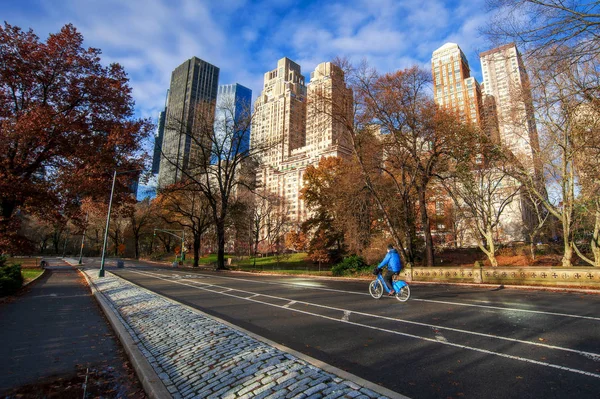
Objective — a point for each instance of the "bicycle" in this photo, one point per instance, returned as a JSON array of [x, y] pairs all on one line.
[[378, 286]]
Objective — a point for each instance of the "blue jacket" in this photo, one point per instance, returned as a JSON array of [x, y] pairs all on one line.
[[392, 260]]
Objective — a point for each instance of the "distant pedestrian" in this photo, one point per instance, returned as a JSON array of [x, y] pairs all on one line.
[[394, 265]]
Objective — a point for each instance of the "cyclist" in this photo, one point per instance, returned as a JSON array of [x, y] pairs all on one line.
[[394, 264]]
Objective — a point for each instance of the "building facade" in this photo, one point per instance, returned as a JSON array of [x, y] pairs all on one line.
[[501, 107], [190, 115], [454, 87], [505, 79], [298, 125]]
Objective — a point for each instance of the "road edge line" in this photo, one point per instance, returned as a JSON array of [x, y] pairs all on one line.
[[315, 362]]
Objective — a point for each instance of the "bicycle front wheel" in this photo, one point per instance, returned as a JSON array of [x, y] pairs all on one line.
[[404, 294], [376, 289]]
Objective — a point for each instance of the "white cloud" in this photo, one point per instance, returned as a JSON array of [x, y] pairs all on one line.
[[245, 38]]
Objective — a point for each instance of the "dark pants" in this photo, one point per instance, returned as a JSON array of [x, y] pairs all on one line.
[[388, 279]]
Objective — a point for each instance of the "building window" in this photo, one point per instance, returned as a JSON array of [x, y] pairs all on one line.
[[439, 208]]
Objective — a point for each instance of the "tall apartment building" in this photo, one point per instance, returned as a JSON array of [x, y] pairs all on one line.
[[505, 79], [298, 127], [234, 109], [454, 87], [190, 111]]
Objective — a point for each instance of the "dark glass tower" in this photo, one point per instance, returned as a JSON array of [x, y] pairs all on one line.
[[190, 113]]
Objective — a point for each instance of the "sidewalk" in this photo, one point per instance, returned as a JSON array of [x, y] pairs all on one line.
[[198, 356], [55, 331]]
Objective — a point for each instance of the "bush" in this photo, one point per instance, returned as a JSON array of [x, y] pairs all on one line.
[[10, 278], [349, 266]]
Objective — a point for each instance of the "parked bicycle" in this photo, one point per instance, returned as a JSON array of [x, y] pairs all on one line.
[[378, 287]]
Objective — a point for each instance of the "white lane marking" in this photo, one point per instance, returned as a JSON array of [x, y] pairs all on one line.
[[346, 316], [509, 309], [489, 352], [290, 303], [595, 358], [432, 326], [253, 296], [412, 299], [439, 336]]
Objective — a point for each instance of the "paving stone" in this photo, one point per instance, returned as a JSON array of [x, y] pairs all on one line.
[[299, 389], [277, 395], [316, 388], [338, 394], [369, 393], [196, 356]]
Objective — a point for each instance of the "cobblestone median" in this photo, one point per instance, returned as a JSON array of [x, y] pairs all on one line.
[[198, 357]]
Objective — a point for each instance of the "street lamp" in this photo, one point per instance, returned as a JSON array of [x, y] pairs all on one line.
[[182, 238], [112, 190]]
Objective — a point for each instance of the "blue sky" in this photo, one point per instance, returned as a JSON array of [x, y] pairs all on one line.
[[245, 38]]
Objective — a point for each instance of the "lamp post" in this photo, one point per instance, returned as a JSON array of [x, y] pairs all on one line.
[[175, 235], [112, 191]]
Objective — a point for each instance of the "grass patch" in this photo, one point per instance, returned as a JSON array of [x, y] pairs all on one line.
[[30, 274], [294, 263], [325, 273]]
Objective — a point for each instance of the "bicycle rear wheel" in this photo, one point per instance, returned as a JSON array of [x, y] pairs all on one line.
[[376, 289], [404, 294]]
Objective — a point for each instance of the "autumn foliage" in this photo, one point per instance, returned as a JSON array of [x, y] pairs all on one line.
[[66, 122]]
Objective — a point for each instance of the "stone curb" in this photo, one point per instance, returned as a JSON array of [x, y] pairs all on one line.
[[153, 385], [369, 386], [315, 362]]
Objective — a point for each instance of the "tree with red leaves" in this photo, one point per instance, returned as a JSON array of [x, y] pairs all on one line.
[[66, 123]]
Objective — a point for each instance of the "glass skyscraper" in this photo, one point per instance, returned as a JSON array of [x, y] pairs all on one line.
[[232, 128]]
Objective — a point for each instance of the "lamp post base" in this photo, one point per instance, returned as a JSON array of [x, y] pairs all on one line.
[[101, 273]]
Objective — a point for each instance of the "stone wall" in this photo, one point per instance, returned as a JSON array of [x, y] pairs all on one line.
[[557, 276]]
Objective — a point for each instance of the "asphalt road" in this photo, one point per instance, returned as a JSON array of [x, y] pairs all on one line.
[[445, 342]]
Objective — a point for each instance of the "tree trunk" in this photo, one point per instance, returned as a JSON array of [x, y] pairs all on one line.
[[568, 249], [196, 248], [429, 254], [220, 245], [8, 207], [116, 242], [136, 238], [595, 245], [409, 226]]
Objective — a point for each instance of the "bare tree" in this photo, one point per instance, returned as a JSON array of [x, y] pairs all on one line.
[[544, 28], [568, 148], [189, 210], [220, 162], [482, 188], [420, 136], [141, 217], [269, 222]]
